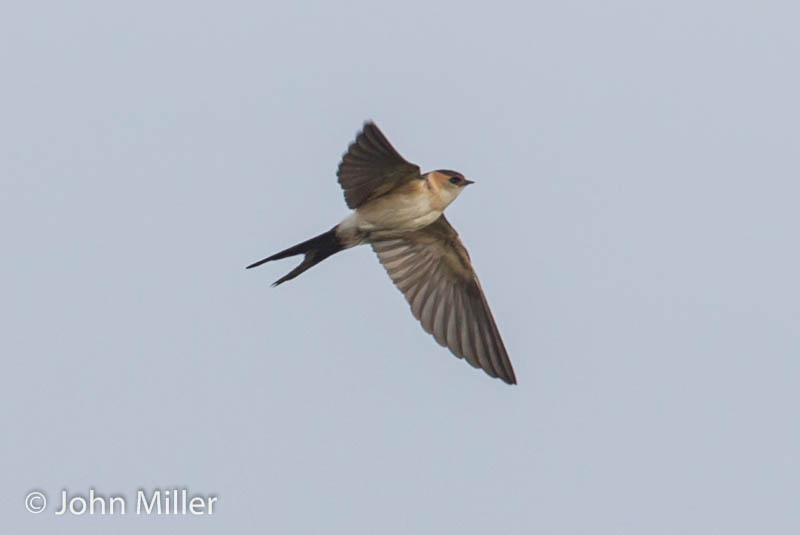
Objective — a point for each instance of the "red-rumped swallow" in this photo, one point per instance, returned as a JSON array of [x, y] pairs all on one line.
[[400, 213]]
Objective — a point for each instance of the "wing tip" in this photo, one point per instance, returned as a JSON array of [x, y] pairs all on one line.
[[509, 380]]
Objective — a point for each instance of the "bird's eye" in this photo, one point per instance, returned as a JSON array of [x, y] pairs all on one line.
[[455, 180]]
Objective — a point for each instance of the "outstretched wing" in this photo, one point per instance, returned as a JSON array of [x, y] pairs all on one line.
[[432, 268], [372, 167]]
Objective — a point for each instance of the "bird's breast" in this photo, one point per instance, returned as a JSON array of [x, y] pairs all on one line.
[[398, 212]]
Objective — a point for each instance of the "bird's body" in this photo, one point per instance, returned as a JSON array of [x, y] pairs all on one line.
[[412, 206], [400, 213]]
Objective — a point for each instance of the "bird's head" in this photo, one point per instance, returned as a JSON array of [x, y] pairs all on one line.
[[447, 184]]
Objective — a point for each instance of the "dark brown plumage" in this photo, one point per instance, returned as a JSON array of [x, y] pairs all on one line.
[[432, 268], [371, 167]]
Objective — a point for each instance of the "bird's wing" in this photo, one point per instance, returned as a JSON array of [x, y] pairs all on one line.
[[372, 167], [432, 269]]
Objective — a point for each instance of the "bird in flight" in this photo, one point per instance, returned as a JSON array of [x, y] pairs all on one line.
[[400, 212]]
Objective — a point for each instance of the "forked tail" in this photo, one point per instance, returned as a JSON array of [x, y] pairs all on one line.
[[315, 250]]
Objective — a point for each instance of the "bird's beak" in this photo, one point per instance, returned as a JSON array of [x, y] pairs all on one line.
[[468, 182]]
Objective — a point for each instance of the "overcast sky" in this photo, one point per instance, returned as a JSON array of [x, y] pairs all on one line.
[[634, 224]]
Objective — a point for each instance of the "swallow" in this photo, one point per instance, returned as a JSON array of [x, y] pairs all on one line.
[[400, 213]]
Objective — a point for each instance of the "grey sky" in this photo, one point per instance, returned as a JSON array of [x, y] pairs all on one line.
[[634, 225]]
